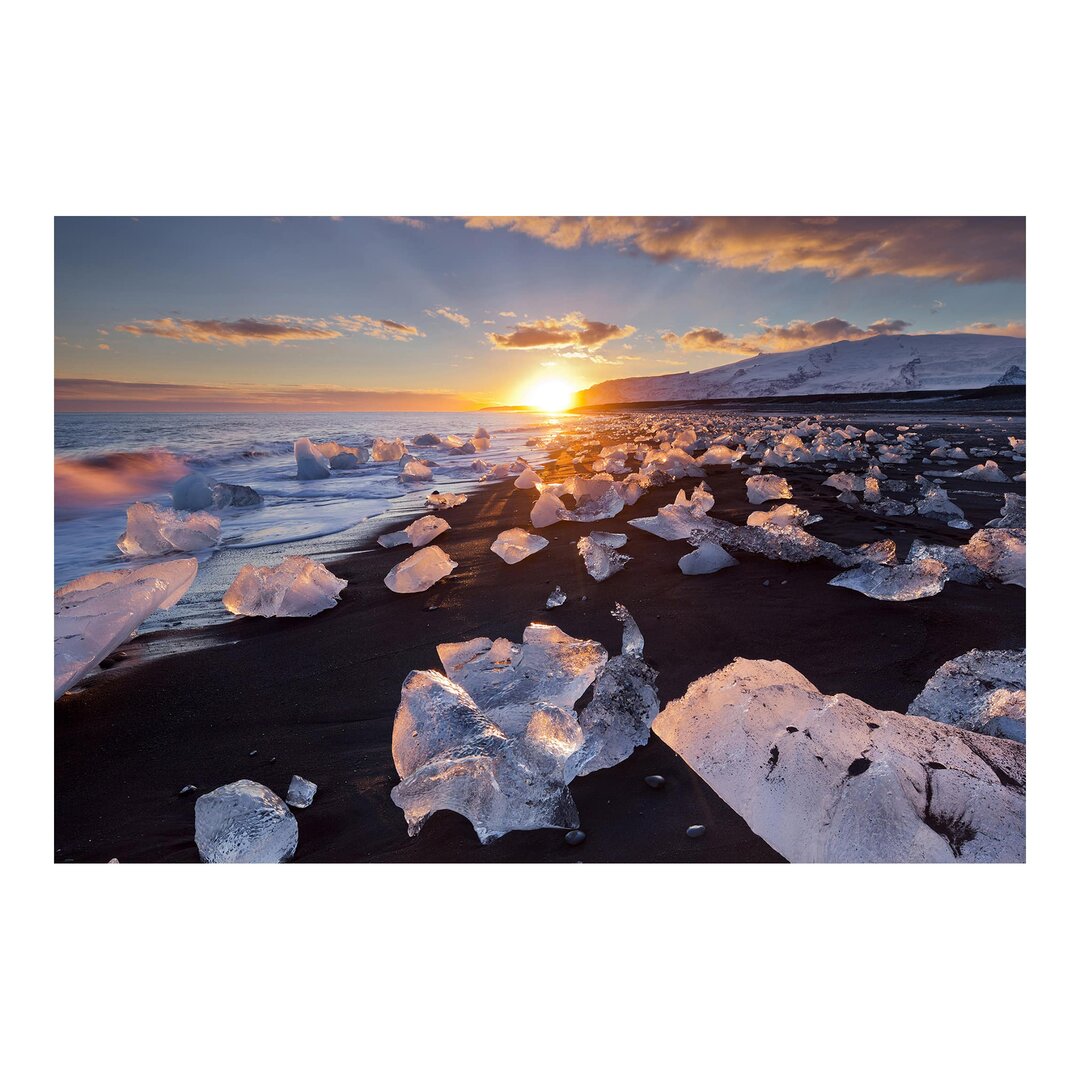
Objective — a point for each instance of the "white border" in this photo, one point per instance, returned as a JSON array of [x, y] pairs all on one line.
[[845, 108]]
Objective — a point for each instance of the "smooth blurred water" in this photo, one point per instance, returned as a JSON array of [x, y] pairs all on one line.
[[106, 461]]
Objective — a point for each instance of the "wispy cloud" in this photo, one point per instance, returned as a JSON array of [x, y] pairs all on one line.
[[966, 250], [379, 328], [413, 223], [106, 395], [1009, 329], [448, 313], [570, 330], [272, 330], [797, 334]]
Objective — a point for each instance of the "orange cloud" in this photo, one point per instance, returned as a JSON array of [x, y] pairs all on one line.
[[966, 250], [102, 345], [571, 330], [449, 313], [106, 395], [1009, 329]]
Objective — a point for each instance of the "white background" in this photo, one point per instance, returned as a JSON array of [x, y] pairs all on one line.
[[520, 971]]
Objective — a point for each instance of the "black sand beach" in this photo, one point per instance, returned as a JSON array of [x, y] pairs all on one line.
[[317, 696]]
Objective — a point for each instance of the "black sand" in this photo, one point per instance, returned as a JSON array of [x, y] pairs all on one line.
[[317, 697]]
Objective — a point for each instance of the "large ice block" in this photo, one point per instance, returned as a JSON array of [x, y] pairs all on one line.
[[96, 613], [830, 779], [153, 530], [420, 571]]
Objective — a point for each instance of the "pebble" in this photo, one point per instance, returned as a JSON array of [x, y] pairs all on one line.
[[765, 582], [253, 753], [575, 837], [654, 781], [187, 789], [695, 831]]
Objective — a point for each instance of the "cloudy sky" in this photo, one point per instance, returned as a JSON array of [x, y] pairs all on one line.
[[405, 313]]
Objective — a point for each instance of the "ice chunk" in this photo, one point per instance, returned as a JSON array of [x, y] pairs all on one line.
[[296, 588], [764, 488], [244, 822], [96, 613], [340, 456], [831, 779], [960, 568], [989, 472], [499, 740], [414, 472], [310, 463], [445, 500], [192, 492], [1000, 553], [706, 558], [152, 530], [979, 691], [720, 455], [909, 581], [557, 598], [387, 450], [547, 509], [344, 460], [844, 481], [507, 680], [527, 479], [624, 704], [420, 571], [513, 545], [785, 515], [936, 503], [420, 532], [1013, 513], [450, 756], [601, 559], [234, 495], [300, 792]]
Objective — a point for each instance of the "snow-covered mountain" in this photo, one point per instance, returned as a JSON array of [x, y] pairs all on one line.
[[884, 364]]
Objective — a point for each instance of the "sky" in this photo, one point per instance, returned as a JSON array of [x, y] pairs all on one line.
[[313, 314]]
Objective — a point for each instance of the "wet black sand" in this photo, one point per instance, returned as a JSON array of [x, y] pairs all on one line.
[[317, 697]]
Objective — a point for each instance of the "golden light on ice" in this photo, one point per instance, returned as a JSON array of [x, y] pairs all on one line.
[[549, 395]]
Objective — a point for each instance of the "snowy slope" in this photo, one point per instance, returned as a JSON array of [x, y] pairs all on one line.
[[891, 363]]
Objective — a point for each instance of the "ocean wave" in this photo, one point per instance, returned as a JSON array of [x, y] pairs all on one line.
[[82, 483]]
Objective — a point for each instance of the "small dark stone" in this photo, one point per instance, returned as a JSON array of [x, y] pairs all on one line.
[[187, 789], [695, 831], [575, 837], [273, 760], [766, 583], [654, 781]]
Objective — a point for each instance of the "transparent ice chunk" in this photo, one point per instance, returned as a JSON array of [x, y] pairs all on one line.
[[908, 581], [152, 530], [244, 822], [601, 559], [296, 588], [300, 793], [513, 545], [96, 613], [446, 500], [420, 532], [556, 599], [310, 463], [706, 558], [420, 571], [760, 489]]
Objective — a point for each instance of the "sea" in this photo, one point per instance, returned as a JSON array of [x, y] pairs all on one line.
[[106, 461]]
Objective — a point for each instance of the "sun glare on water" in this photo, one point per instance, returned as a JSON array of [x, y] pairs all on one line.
[[551, 395]]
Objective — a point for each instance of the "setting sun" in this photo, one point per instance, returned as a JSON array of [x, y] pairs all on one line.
[[551, 395]]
